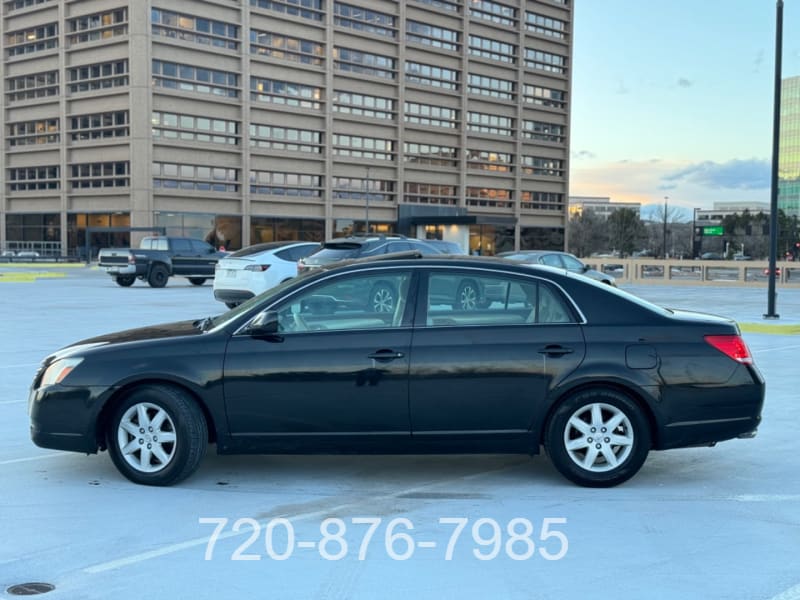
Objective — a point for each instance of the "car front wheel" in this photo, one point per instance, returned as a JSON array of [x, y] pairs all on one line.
[[157, 435], [468, 296], [382, 298], [598, 438]]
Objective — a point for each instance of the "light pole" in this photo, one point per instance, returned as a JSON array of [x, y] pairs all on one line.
[[664, 253], [776, 129], [366, 203]]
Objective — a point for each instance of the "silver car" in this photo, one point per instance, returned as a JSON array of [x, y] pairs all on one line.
[[560, 260]]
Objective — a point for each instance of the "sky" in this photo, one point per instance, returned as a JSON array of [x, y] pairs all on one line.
[[674, 98]]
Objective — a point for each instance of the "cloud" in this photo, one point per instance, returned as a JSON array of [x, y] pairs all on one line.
[[735, 174], [583, 154], [684, 83]]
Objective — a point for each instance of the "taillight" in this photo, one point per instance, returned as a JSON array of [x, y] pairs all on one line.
[[732, 346], [257, 268]]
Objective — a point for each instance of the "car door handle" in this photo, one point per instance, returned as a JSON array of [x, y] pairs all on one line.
[[554, 350], [385, 355]]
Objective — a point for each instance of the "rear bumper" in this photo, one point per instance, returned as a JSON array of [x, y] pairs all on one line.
[[116, 270], [224, 295]]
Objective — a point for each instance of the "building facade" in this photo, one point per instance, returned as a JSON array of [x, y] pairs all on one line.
[[242, 121], [789, 148], [601, 206]]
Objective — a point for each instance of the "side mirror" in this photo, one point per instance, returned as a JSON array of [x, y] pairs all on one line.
[[264, 324], [586, 268]]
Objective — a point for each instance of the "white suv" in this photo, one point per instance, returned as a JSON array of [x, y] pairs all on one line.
[[252, 270]]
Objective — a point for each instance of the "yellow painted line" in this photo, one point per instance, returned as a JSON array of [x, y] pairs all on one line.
[[774, 328], [28, 277], [40, 265]]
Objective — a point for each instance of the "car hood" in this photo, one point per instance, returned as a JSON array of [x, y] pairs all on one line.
[[152, 332]]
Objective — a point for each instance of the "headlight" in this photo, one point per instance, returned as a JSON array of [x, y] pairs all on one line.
[[57, 371]]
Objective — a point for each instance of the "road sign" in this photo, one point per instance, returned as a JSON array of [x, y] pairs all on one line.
[[714, 230]]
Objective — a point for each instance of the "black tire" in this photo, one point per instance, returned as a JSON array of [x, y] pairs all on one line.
[[197, 280], [125, 280], [158, 276], [585, 463], [183, 421], [468, 296], [382, 298]]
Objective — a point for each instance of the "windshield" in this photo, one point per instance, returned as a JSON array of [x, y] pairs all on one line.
[[334, 254], [220, 321]]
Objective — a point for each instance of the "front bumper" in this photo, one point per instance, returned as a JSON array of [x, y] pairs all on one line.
[[65, 418]]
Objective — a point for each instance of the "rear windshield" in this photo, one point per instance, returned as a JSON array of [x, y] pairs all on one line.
[[256, 248]]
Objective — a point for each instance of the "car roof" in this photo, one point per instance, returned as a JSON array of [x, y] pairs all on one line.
[[266, 246]]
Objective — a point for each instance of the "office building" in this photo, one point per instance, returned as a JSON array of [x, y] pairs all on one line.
[[242, 121]]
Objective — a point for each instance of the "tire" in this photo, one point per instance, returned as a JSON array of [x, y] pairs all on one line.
[[382, 298], [583, 457], [468, 296], [148, 460], [197, 280], [158, 276], [125, 280]]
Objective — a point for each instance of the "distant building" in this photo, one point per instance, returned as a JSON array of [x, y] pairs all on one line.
[[601, 206], [714, 216], [789, 148]]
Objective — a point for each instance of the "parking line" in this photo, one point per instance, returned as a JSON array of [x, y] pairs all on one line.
[[793, 593], [31, 458], [13, 402], [19, 366]]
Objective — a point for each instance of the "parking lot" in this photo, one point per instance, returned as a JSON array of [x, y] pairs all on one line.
[[719, 522]]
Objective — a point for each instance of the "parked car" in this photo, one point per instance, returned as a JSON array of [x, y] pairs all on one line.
[[446, 247], [711, 256], [352, 247], [560, 260], [158, 258], [597, 376], [252, 270]]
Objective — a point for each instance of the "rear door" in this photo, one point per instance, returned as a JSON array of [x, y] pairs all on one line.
[[485, 372]]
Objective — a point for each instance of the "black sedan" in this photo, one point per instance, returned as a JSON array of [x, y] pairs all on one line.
[[595, 375]]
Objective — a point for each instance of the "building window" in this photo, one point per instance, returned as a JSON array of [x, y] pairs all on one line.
[[100, 175], [441, 5], [36, 39], [363, 105], [264, 43], [545, 61], [99, 125], [98, 76], [362, 19], [489, 197], [28, 87], [374, 190], [542, 201], [542, 96], [285, 138], [502, 89], [285, 92], [491, 124], [356, 61], [487, 160], [99, 26], [34, 231], [363, 147], [545, 167], [190, 128], [492, 49], [430, 35], [430, 154], [431, 75], [172, 176], [198, 30], [276, 183], [307, 9], [494, 12], [20, 4], [23, 179], [43, 131], [269, 229], [547, 26], [544, 132], [430, 193], [188, 78], [430, 115]]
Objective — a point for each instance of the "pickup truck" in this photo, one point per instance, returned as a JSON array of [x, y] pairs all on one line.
[[158, 258]]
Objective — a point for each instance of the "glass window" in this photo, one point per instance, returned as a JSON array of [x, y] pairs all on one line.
[[356, 301]]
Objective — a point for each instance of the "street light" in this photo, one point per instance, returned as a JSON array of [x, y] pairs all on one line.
[[776, 128], [664, 253], [366, 201]]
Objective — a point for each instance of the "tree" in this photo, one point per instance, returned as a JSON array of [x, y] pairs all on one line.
[[625, 231], [586, 233]]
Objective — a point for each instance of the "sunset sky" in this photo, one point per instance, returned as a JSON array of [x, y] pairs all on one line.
[[675, 98]]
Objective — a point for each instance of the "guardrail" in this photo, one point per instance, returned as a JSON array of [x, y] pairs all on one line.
[[694, 272]]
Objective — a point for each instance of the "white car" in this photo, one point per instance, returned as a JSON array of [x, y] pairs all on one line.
[[252, 270]]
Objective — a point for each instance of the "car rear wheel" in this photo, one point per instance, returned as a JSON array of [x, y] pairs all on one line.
[[157, 435], [382, 298], [197, 280], [158, 276], [468, 296], [598, 438], [125, 280]]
